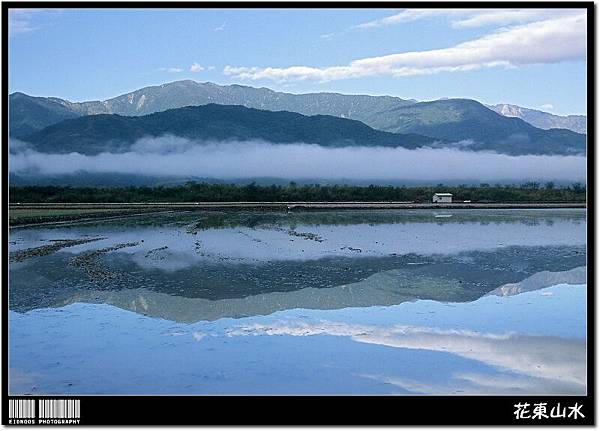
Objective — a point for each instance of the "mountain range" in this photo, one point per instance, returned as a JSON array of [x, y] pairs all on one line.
[[541, 119], [179, 94], [240, 112], [93, 134]]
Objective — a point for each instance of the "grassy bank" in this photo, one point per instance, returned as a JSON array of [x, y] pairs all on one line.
[[33, 216]]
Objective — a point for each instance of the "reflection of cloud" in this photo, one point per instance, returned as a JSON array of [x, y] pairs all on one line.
[[198, 336], [503, 384], [560, 362], [22, 382], [264, 244], [271, 242], [168, 261], [482, 384]]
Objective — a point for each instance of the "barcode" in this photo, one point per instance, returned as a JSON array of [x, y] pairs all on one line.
[[21, 409], [59, 409]]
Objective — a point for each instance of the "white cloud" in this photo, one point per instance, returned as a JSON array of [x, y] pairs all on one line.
[[169, 155], [509, 47], [21, 21], [221, 27], [171, 69], [196, 68], [327, 35], [408, 15], [547, 106], [506, 17], [460, 18]]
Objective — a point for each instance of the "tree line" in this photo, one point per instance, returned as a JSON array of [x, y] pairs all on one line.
[[206, 192]]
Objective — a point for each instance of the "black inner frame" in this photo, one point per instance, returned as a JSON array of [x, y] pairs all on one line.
[[317, 410]]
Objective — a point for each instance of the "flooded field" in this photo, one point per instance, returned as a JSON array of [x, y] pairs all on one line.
[[316, 302]]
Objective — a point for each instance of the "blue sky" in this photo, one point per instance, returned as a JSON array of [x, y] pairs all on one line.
[[532, 58]]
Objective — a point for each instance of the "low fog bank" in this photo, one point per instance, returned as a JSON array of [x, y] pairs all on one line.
[[178, 157]]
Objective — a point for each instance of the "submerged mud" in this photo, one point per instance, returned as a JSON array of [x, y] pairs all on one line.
[[90, 263], [57, 244]]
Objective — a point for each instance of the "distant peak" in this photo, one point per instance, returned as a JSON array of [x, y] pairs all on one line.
[[179, 82], [187, 81]]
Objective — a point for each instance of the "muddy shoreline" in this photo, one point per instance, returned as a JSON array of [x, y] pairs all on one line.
[[122, 210], [52, 220], [133, 209]]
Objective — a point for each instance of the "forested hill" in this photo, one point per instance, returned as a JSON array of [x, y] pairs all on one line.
[[461, 126], [94, 134]]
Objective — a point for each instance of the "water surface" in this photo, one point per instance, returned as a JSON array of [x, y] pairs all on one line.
[[343, 302]]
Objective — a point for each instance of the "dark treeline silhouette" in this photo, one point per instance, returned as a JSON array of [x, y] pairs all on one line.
[[204, 192]]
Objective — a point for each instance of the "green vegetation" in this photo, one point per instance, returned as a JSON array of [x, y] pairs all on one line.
[[30, 114], [467, 120], [94, 134], [203, 192]]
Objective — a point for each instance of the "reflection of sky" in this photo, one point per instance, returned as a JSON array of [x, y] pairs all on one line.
[[243, 244], [526, 355], [528, 343]]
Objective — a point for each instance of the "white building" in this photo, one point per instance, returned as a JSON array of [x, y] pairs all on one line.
[[445, 198]]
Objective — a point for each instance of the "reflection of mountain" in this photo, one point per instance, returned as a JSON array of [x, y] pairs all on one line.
[[240, 293], [543, 279], [181, 309], [538, 364], [202, 266]]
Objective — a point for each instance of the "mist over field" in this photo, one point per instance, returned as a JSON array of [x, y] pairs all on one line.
[[175, 156]]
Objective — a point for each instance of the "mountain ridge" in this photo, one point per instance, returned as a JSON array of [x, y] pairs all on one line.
[[467, 123], [94, 134], [372, 110], [541, 119]]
